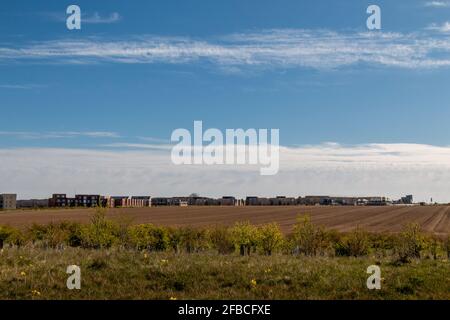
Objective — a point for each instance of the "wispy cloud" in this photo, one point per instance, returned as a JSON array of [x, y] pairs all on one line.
[[154, 140], [96, 18], [136, 146], [21, 86], [88, 18], [370, 169], [285, 48], [437, 4], [58, 134], [444, 27]]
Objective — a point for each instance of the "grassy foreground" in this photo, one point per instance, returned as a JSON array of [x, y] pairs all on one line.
[[35, 273]]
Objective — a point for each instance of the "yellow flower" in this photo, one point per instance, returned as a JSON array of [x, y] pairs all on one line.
[[145, 256], [267, 271], [173, 298], [23, 273], [253, 282], [164, 261], [35, 293]]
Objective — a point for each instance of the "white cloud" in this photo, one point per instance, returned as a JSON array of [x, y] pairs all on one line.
[[21, 86], [282, 48], [444, 27], [59, 134], [94, 18], [97, 19], [437, 4], [372, 169]]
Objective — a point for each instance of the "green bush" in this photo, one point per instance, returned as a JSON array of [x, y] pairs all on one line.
[[270, 238], [245, 237], [174, 239], [100, 233], [55, 235], [221, 240], [194, 240], [148, 237], [307, 238], [355, 243], [382, 242], [410, 243], [10, 235], [447, 246], [433, 246]]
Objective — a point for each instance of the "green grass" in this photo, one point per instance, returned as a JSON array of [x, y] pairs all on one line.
[[32, 272]]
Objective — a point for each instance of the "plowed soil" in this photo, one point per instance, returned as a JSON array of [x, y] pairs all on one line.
[[434, 219]]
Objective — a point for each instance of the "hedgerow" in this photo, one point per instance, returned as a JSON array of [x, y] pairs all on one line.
[[242, 238]]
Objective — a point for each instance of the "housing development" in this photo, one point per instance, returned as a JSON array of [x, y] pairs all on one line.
[[60, 200]]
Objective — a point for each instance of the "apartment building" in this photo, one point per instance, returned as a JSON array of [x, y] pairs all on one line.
[[115, 201], [80, 200], [58, 200], [33, 203], [8, 201], [257, 201], [283, 201], [87, 200]]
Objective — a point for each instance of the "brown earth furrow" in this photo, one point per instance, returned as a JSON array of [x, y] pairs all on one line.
[[390, 219]]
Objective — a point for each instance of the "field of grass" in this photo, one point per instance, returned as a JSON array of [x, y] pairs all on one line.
[[32, 273]]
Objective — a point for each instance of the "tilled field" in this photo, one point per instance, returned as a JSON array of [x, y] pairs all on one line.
[[434, 219]]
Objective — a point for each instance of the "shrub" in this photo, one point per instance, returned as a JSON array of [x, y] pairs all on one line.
[[194, 240], [382, 242], [148, 237], [37, 232], [55, 235], [410, 243], [174, 239], [355, 244], [11, 236], [270, 238], [74, 238], [447, 246], [433, 246], [100, 233], [307, 238], [221, 240], [245, 237]]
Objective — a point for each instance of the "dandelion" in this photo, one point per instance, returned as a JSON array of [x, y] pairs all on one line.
[[268, 270], [35, 293], [164, 261], [173, 298], [145, 256], [23, 274], [253, 282]]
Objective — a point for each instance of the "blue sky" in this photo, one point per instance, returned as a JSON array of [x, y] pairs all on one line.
[[135, 72]]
